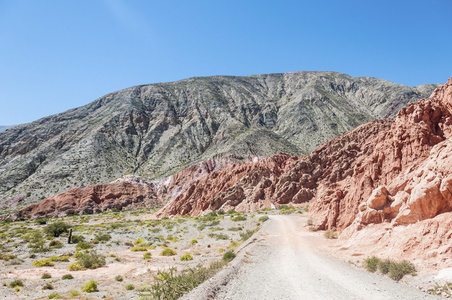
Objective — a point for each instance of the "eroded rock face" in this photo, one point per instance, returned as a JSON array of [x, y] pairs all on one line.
[[127, 193]]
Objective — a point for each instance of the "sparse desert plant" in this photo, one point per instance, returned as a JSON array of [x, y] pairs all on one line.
[[263, 218], [75, 267], [147, 255], [168, 252], [7, 256], [56, 229], [41, 221], [54, 295], [186, 257], [45, 262], [100, 238], [330, 234], [46, 276], [15, 283], [383, 266], [246, 235], [399, 269], [74, 293], [77, 239], [91, 260], [171, 284], [239, 218], [229, 256], [15, 261], [135, 249], [193, 242], [83, 246], [55, 244], [67, 277], [119, 278], [129, 287], [139, 241], [371, 264], [59, 258], [48, 286], [90, 287]]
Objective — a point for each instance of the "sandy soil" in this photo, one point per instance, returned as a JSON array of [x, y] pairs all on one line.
[[286, 261]]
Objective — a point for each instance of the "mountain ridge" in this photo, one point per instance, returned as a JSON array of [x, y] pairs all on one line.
[[158, 129]]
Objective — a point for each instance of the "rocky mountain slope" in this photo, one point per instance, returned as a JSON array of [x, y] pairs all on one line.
[[387, 184], [156, 130]]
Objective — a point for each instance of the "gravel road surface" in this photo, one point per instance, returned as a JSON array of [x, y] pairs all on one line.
[[286, 261]]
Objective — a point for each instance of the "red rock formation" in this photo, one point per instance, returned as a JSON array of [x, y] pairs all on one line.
[[92, 199]]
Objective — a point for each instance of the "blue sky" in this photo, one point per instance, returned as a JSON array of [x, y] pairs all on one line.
[[56, 55]]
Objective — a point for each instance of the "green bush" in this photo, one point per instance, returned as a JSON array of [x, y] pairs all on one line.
[[239, 218], [398, 270], [77, 239], [43, 263], [193, 242], [46, 276], [136, 249], [263, 218], [91, 260], [75, 267], [59, 258], [104, 237], [74, 293], [41, 221], [55, 244], [67, 277], [172, 285], [90, 287], [83, 246], [15, 283], [186, 257], [371, 264], [383, 266], [6, 257], [168, 252], [246, 235], [119, 278], [56, 229], [229, 256], [130, 287], [147, 255], [54, 296], [47, 286]]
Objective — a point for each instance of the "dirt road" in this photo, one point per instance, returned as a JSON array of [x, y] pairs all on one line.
[[287, 262]]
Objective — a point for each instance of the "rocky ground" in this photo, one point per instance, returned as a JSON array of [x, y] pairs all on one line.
[[114, 235]]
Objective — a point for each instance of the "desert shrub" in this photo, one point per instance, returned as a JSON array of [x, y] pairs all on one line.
[[75, 267], [55, 244], [74, 293], [119, 278], [235, 228], [371, 264], [83, 246], [129, 287], [67, 277], [168, 252], [400, 269], [193, 242], [15, 261], [219, 236], [56, 229], [77, 239], [48, 286], [7, 256], [41, 221], [139, 241], [15, 283], [59, 258], [172, 284], [104, 237], [90, 287], [91, 260], [45, 262], [147, 255], [136, 249], [54, 295], [186, 257], [246, 235], [239, 218], [263, 218], [330, 234], [46, 276], [441, 290], [228, 256], [383, 266]]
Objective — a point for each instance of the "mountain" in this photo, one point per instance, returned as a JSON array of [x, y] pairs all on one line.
[[158, 129], [3, 128]]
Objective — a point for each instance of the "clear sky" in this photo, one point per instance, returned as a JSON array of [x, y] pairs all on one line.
[[60, 54]]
